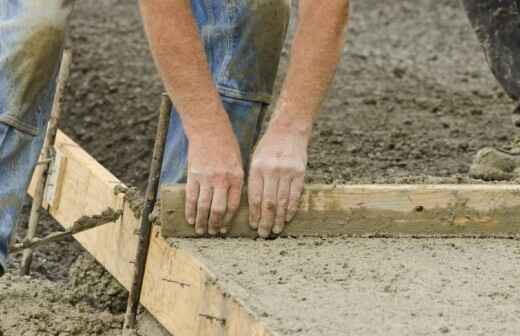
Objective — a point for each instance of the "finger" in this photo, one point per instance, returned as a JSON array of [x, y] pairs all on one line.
[[268, 207], [203, 206], [218, 209], [254, 196], [294, 198], [192, 196], [234, 195], [282, 202]]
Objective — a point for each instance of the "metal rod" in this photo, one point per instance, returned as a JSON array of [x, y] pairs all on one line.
[[146, 225], [41, 170], [83, 224]]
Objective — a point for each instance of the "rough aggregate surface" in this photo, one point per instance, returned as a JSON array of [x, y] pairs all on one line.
[[413, 101]]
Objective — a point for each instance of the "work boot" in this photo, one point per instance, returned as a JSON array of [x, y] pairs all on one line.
[[492, 164]]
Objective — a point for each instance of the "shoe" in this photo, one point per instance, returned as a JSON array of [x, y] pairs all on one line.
[[491, 164]]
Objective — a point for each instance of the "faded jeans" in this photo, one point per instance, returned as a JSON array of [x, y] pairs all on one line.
[[243, 40]]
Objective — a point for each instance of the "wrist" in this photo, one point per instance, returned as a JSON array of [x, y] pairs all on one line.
[[296, 126], [210, 124]]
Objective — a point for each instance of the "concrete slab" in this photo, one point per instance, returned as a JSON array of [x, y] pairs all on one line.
[[372, 286]]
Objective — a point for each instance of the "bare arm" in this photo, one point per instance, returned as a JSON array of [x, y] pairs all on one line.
[[214, 185], [279, 162]]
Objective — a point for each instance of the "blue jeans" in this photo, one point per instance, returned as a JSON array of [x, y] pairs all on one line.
[[243, 40]]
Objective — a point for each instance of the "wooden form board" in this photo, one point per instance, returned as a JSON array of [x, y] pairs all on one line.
[[179, 290], [379, 210]]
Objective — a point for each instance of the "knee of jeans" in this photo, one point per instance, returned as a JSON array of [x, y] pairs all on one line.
[[257, 31], [31, 44]]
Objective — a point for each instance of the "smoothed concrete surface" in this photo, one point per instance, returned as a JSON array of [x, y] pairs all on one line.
[[372, 286]]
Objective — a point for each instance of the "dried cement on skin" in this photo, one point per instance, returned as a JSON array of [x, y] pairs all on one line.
[[371, 287]]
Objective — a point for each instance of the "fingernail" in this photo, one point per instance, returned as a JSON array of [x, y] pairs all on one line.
[[223, 231], [212, 231], [263, 233], [253, 224], [200, 231], [191, 221], [277, 229]]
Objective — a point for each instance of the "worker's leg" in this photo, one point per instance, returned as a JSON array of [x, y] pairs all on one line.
[[31, 39], [497, 24], [243, 41]]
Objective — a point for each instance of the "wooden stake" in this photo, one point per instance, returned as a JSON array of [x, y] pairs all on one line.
[[42, 169]]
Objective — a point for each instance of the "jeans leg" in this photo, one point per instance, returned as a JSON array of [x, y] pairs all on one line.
[[19, 153], [245, 116], [497, 24], [31, 39]]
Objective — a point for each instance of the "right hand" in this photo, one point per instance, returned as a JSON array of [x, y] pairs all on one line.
[[215, 180]]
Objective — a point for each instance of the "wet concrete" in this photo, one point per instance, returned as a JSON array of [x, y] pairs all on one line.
[[334, 287]]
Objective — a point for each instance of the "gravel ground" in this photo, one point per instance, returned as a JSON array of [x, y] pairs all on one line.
[[413, 99]]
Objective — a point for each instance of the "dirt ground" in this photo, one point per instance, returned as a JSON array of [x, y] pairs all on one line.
[[412, 102]]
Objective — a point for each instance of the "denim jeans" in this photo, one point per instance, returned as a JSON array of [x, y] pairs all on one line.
[[243, 40]]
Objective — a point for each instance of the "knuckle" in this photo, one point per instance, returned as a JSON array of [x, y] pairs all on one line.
[[218, 211], [232, 207], [269, 205], [282, 204], [236, 175], [299, 172], [192, 198], [255, 200], [286, 169], [265, 167], [203, 207], [218, 178]]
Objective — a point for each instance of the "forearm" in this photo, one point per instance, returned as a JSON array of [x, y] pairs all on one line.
[[179, 56], [316, 52]]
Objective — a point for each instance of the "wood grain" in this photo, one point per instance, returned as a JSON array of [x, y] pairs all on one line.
[[387, 210]]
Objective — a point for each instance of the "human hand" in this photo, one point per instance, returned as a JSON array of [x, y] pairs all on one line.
[[215, 179], [276, 180]]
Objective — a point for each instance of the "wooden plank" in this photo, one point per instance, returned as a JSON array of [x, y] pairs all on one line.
[[178, 289], [379, 210]]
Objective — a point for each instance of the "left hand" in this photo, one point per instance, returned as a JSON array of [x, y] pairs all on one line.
[[276, 180]]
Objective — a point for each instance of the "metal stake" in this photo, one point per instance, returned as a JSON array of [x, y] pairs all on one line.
[[41, 170], [146, 225]]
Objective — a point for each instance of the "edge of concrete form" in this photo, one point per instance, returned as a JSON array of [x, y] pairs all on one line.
[[178, 289], [471, 210]]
